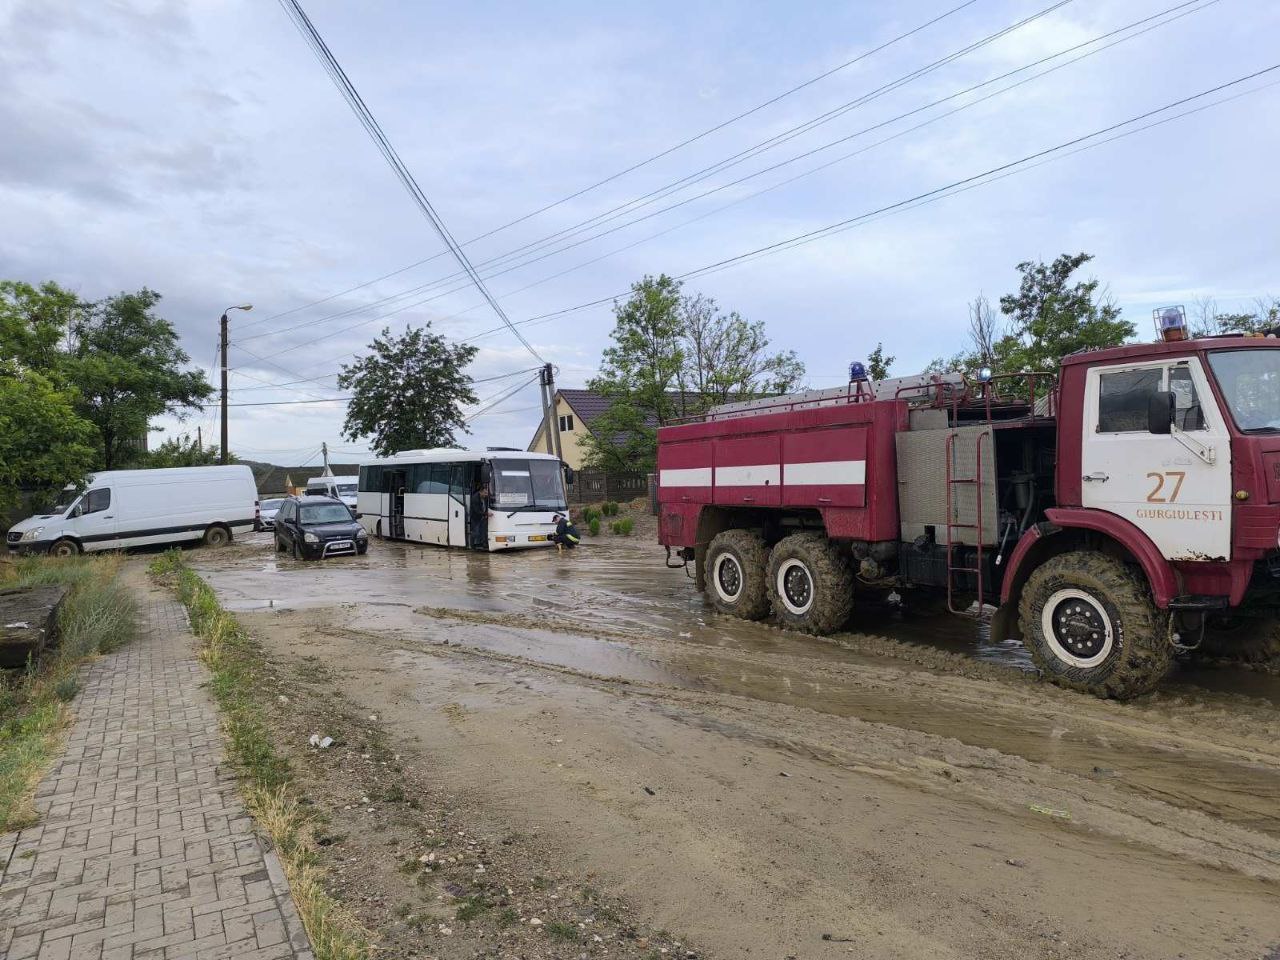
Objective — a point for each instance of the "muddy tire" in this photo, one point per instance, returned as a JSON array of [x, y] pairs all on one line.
[[1091, 625], [735, 566], [217, 536], [810, 584], [66, 547]]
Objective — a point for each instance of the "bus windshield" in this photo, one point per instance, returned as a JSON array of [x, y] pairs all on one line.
[[1250, 382], [528, 485]]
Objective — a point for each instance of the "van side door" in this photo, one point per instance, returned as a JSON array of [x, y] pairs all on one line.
[[94, 521]]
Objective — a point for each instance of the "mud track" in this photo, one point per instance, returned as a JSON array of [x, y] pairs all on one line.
[[903, 790]]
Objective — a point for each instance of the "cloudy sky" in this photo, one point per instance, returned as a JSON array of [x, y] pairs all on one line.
[[199, 149]]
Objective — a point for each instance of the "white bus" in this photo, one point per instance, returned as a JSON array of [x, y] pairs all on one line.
[[431, 496]]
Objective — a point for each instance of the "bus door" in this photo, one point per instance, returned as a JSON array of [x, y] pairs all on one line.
[[459, 501], [394, 485]]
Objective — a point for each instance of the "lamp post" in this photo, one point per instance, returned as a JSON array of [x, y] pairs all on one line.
[[222, 454]]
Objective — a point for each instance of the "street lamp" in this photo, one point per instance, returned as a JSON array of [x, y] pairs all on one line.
[[222, 454]]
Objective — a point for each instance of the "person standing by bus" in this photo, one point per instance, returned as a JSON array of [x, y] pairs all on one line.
[[478, 513], [566, 535]]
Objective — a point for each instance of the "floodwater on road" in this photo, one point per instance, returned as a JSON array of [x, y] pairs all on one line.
[[1188, 776]]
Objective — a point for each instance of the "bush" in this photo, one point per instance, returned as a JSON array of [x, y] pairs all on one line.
[[611, 509], [594, 526], [623, 527], [589, 514]]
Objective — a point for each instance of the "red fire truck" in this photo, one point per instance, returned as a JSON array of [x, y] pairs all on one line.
[[1116, 513]]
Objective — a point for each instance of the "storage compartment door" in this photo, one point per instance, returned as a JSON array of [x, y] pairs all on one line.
[[825, 468], [684, 472], [749, 471]]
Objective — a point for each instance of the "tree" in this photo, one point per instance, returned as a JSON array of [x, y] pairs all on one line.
[[1209, 321], [183, 451], [33, 323], [44, 445], [127, 367], [878, 364], [408, 392], [1051, 317], [674, 355]]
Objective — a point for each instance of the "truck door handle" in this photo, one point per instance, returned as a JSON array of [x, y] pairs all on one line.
[[1098, 477], [748, 499]]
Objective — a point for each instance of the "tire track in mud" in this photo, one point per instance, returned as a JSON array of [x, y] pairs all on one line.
[[1198, 823]]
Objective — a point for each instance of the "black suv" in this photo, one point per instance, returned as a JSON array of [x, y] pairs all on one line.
[[312, 528]]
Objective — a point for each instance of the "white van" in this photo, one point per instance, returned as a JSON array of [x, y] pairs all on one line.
[[340, 488], [134, 508]]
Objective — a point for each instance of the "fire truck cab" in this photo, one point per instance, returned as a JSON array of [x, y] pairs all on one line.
[[1114, 515]]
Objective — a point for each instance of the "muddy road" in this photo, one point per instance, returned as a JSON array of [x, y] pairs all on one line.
[[905, 790]]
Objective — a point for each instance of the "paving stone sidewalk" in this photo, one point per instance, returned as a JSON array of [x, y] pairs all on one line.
[[144, 850]]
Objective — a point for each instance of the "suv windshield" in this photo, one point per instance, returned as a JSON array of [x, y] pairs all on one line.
[[1250, 382], [524, 484], [325, 513]]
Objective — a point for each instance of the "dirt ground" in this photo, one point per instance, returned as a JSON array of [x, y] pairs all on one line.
[[576, 738]]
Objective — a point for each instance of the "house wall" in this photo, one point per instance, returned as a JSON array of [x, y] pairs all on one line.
[[572, 442]]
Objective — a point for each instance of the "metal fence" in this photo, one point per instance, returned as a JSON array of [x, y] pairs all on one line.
[[592, 486]]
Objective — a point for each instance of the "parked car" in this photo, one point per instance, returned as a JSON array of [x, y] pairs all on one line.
[[267, 513], [312, 528], [115, 509]]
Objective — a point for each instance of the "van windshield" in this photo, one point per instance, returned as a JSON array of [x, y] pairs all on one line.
[[346, 489], [528, 485], [1250, 382]]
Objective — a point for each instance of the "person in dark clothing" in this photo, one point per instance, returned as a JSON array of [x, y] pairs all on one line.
[[566, 535], [478, 514]]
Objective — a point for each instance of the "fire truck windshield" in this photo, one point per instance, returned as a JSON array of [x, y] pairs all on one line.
[[1250, 381]]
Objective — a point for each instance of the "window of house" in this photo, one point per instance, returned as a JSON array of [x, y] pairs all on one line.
[[1123, 399], [566, 423]]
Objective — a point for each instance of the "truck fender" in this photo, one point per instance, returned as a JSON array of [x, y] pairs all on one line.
[[1038, 544]]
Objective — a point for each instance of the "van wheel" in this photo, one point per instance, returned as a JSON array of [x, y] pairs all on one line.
[[810, 584], [735, 571], [1091, 625], [64, 548], [217, 537]]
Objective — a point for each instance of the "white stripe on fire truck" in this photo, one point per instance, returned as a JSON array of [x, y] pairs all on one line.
[[759, 475], [829, 472], [685, 477]]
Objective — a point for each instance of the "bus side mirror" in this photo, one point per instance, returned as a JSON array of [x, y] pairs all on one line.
[[568, 472], [1160, 411], [486, 474]]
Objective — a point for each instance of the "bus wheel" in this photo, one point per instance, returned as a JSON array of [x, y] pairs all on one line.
[[217, 537], [64, 548], [735, 567], [810, 584], [1091, 625]]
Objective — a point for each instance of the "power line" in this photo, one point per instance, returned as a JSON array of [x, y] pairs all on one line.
[[636, 166], [676, 185], [366, 118], [285, 403], [987, 176], [494, 401], [1147, 24]]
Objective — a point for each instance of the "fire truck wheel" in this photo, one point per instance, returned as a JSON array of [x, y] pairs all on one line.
[[735, 573], [810, 584], [1091, 625]]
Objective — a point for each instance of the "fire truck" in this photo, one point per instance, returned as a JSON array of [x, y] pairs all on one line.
[[1109, 515]]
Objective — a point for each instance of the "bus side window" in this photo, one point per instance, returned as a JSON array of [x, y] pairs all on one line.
[[458, 487], [439, 479]]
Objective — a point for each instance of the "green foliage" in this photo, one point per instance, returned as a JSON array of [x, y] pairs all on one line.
[[182, 451], [672, 356], [44, 444], [589, 513], [33, 322], [623, 527], [561, 930], [594, 526], [1210, 321], [408, 392], [1051, 317], [127, 367], [878, 364], [611, 509]]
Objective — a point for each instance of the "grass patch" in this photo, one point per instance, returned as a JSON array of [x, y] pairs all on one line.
[[472, 908], [235, 661], [560, 930], [97, 616]]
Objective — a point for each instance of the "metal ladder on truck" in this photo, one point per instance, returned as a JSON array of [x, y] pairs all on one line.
[[975, 483]]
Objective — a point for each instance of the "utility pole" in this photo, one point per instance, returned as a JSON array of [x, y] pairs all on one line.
[[324, 449], [547, 380], [222, 352], [199, 440]]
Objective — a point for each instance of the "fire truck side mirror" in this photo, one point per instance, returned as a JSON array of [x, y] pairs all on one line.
[[1160, 411]]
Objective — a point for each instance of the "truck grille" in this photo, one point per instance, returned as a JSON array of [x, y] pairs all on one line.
[[15, 536]]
